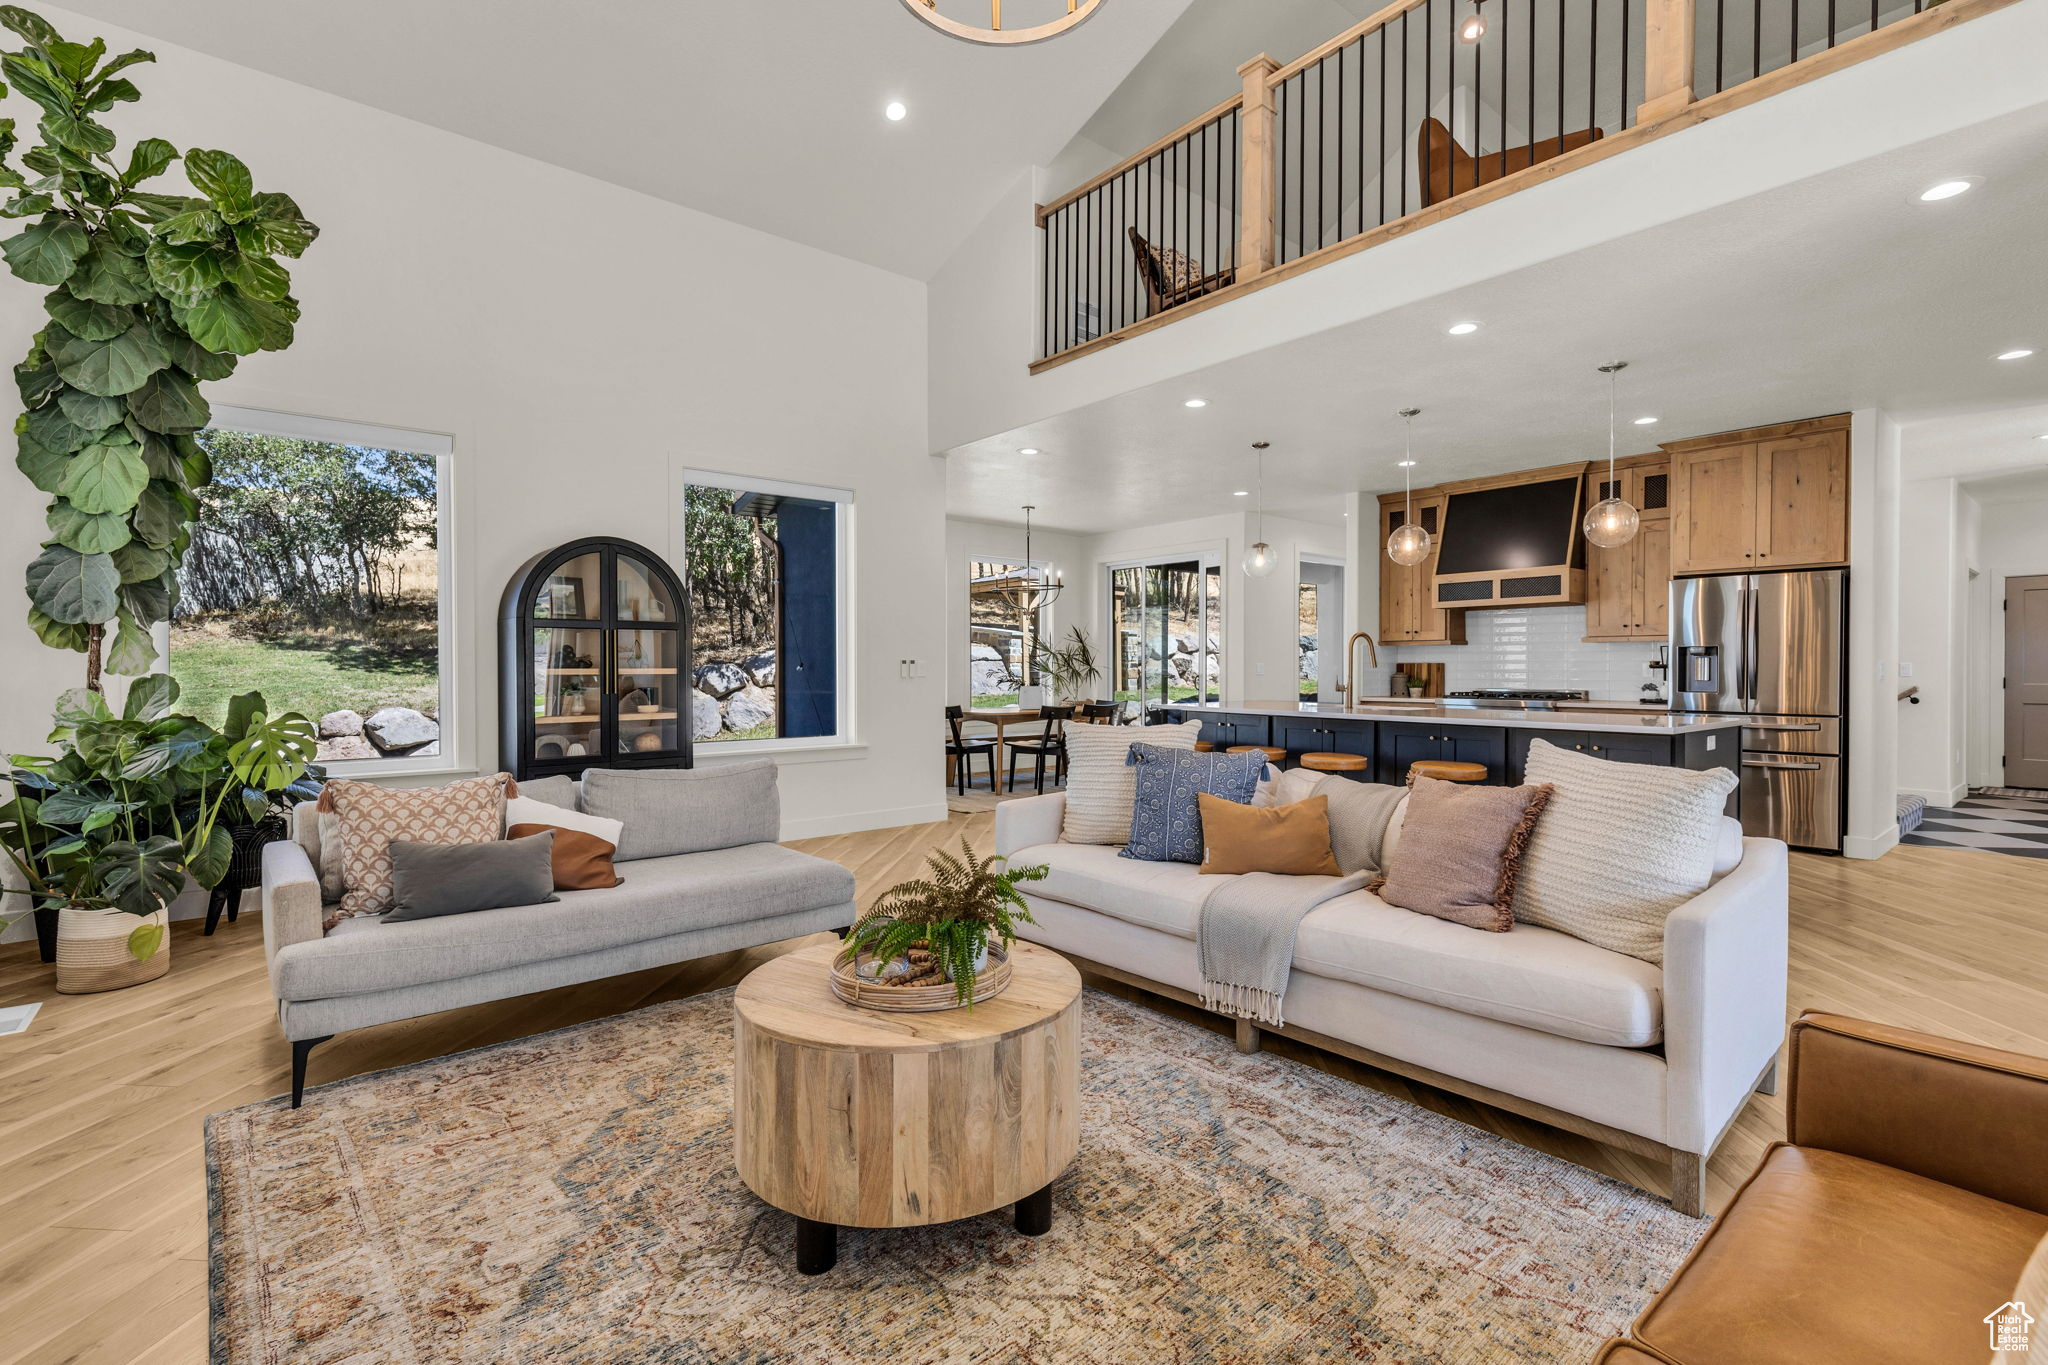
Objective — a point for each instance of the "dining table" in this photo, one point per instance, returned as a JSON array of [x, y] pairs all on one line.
[[1002, 718]]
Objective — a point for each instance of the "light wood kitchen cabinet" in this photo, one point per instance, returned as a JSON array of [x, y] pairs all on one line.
[[1771, 498], [1628, 588], [1406, 614]]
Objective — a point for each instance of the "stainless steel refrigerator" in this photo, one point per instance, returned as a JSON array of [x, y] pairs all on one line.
[[1770, 646]]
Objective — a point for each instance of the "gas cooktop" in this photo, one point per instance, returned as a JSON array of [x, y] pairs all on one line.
[[1513, 694]]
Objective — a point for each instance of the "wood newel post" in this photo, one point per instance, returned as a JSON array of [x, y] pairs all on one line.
[[1667, 59], [1256, 133]]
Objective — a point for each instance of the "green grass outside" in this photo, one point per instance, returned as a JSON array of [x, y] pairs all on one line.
[[310, 676]]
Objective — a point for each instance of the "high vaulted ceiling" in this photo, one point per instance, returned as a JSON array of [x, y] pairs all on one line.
[[765, 112]]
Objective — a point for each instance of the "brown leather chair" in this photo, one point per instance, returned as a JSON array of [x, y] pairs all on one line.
[[1902, 1209], [1172, 279], [1448, 169]]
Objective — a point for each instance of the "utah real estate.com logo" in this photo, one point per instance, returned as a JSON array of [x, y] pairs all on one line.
[[2009, 1323]]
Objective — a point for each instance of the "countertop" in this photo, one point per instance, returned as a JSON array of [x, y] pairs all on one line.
[[1617, 720]]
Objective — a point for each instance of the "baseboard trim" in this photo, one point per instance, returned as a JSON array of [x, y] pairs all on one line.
[[1870, 845], [1946, 797], [856, 822]]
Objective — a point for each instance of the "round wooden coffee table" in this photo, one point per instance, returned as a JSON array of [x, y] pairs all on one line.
[[848, 1117]]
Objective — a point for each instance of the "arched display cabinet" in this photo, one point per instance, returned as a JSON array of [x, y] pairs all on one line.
[[594, 662]]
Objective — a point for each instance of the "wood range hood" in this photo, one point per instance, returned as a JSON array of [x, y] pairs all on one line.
[[1513, 540]]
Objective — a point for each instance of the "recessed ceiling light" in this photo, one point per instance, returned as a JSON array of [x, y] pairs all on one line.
[[1028, 450], [1646, 421], [2042, 437], [1196, 403], [1947, 189], [2020, 354], [1404, 464], [1463, 329], [894, 111], [1242, 493]]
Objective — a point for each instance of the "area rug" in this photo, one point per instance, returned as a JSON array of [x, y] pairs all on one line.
[[571, 1198]]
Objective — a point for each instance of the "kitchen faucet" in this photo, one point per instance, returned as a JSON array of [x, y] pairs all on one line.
[[1347, 687]]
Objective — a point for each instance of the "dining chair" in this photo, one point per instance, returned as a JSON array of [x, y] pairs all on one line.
[[1050, 744], [962, 749], [1098, 713]]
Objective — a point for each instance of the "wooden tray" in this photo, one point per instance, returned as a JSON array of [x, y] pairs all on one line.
[[988, 982]]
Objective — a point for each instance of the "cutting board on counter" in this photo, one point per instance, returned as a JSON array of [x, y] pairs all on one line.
[[1431, 676]]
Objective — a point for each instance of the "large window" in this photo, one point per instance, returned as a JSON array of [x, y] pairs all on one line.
[[1001, 640], [315, 577], [765, 566], [1167, 631]]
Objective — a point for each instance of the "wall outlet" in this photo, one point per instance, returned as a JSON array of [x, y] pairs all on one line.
[[1259, 669]]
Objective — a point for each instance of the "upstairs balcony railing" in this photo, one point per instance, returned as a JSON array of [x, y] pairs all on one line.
[[1399, 122]]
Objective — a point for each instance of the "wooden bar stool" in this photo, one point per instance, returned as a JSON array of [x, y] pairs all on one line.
[[1203, 746], [1336, 762], [1447, 770], [1275, 755]]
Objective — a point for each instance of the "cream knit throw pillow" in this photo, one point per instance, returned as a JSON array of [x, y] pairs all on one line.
[[1101, 787], [1620, 846]]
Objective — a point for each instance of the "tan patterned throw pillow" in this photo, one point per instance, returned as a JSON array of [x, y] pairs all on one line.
[[371, 816]]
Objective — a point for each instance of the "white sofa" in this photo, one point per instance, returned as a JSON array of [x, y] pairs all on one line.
[[1657, 1061]]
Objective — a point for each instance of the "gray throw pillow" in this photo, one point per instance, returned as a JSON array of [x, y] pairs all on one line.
[[686, 810], [559, 790], [453, 879]]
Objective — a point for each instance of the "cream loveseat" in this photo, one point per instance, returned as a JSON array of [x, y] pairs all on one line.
[[734, 888], [1657, 1061]]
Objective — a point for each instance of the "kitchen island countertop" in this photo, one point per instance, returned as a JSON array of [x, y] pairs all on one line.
[[1612, 722]]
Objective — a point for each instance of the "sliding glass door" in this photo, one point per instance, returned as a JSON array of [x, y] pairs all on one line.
[[1166, 631]]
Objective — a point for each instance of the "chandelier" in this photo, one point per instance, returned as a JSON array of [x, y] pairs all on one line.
[[1031, 592], [1077, 13]]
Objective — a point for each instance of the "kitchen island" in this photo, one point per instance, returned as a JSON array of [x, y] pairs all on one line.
[[1394, 734]]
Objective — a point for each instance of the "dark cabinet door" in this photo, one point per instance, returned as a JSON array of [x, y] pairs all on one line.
[[1306, 736], [1483, 744], [1651, 749], [1400, 745], [1227, 731]]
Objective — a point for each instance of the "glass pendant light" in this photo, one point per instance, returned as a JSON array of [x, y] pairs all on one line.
[[1409, 544], [1612, 522], [1260, 559], [1474, 27], [1031, 592]]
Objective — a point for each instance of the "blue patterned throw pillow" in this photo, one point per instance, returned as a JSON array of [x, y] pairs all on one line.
[[1166, 820]]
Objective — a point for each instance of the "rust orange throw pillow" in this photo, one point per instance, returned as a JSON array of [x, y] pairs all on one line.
[[584, 843], [1292, 840]]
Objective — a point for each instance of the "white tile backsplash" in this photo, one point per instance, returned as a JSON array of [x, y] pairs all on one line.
[[1537, 647]]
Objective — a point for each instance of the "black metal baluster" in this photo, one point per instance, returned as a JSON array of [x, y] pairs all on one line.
[[1338, 57], [1792, 40], [1529, 89], [1379, 145], [1593, 66], [1625, 104], [1428, 80], [1401, 124], [1301, 163], [1560, 75], [1756, 38], [1478, 108], [1831, 19], [1873, 14]]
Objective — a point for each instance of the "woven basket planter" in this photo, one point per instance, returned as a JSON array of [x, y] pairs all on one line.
[[92, 950]]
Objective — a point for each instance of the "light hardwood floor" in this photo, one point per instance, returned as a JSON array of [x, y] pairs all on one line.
[[103, 1187]]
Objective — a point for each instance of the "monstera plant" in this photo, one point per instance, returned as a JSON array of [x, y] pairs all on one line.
[[152, 294], [134, 804]]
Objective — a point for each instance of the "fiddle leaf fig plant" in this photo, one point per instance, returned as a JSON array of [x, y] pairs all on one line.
[[152, 294]]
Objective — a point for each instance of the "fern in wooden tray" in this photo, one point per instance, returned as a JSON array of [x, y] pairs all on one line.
[[938, 927]]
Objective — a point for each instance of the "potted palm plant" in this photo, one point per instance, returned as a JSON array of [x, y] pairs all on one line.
[[134, 806], [938, 928], [1068, 669]]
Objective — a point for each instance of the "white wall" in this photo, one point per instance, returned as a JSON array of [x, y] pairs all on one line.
[[2012, 544], [1934, 574], [1873, 822], [583, 343]]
